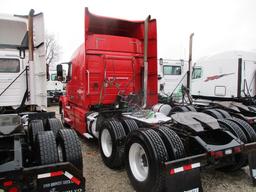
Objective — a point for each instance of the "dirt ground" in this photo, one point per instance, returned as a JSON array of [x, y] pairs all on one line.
[[99, 178]]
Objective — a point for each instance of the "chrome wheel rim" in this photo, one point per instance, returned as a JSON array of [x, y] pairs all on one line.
[[106, 143], [138, 162]]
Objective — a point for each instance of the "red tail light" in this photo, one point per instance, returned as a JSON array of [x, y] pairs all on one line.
[[8, 183], [237, 149], [13, 189], [217, 154]]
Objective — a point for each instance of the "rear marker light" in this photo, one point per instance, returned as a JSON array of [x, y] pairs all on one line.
[[8, 183], [14, 189], [237, 149], [184, 168], [217, 154]]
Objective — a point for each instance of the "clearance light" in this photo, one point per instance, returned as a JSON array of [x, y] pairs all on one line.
[[237, 149]]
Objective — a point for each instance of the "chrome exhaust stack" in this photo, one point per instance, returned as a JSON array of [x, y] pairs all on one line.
[[145, 80]]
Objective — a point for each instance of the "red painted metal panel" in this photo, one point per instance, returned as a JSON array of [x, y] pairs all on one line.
[[110, 61]]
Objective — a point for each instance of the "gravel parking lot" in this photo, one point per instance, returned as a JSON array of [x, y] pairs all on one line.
[[99, 178]]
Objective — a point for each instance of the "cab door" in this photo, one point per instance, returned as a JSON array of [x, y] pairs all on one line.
[[172, 75]]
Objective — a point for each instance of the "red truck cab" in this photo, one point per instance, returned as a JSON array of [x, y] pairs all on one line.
[[108, 63]]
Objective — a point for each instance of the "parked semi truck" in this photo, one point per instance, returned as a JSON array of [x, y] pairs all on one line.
[[55, 88], [111, 87], [221, 75], [37, 153], [172, 75]]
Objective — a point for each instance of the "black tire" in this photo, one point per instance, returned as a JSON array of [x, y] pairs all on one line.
[[35, 127], [70, 148], [113, 131], [55, 125], [225, 114], [233, 128], [129, 125], [240, 159], [172, 142], [247, 128], [155, 155], [213, 113], [191, 108], [252, 108], [47, 148]]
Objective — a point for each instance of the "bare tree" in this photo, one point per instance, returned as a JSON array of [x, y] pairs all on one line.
[[52, 49]]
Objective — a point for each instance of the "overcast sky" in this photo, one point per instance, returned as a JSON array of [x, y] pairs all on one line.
[[219, 25]]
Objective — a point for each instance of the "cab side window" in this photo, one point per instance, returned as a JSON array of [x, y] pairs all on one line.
[[171, 70], [197, 73]]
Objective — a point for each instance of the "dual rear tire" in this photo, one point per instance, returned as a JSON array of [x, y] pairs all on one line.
[[143, 150], [54, 145], [111, 138]]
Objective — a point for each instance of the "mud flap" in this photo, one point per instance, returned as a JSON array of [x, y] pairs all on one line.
[[252, 166], [184, 181], [62, 177]]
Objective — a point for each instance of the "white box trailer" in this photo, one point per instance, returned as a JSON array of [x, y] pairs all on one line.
[[221, 76]]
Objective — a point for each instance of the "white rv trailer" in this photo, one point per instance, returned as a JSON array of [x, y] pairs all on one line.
[[217, 76], [172, 75]]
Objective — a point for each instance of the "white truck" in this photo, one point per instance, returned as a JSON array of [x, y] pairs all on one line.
[[225, 75], [22, 79], [37, 153], [55, 88], [171, 77]]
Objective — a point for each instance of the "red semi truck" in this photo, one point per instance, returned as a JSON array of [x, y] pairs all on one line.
[[110, 62], [111, 85]]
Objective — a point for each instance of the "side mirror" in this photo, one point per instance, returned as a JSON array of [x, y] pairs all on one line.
[[59, 72], [159, 77]]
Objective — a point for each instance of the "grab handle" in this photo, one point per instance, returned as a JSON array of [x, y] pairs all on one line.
[[88, 81]]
